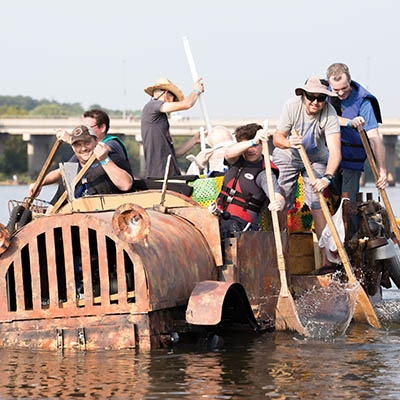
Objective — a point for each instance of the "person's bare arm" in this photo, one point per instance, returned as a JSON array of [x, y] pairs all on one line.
[[49, 179], [282, 140], [119, 177], [182, 149], [378, 149], [235, 150], [187, 102], [335, 154]]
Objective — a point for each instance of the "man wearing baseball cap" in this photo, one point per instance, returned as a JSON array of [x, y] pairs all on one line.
[[109, 173]]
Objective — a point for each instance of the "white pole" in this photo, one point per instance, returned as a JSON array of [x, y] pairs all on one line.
[[203, 146], [202, 139], [195, 76]]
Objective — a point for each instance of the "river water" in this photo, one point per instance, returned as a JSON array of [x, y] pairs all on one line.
[[363, 364]]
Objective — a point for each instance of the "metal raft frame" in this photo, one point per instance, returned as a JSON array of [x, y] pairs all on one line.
[[135, 292], [39, 283]]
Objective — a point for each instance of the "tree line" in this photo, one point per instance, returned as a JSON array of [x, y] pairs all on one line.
[[26, 106], [13, 156]]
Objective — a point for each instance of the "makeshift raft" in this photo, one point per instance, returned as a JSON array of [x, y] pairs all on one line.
[[124, 271]]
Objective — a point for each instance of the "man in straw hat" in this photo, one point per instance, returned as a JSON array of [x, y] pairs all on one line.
[[157, 141], [317, 126]]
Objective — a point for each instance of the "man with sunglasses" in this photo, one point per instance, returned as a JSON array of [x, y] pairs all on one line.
[[308, 119], [166, 97], [356, 107]]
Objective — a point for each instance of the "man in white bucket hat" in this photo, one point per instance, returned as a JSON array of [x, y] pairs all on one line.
[[166, 97], [316, 123]]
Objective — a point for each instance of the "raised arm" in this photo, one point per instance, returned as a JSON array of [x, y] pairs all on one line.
[[119, 177]]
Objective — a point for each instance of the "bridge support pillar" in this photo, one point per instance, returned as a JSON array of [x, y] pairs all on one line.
[[38, 149], [389, 142], [3, 138]]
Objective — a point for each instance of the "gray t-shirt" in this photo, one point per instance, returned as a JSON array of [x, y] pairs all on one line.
[[157, 142], [314, 129]]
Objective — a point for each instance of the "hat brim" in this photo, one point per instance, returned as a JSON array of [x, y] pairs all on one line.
[[170, 87], [299, 91]]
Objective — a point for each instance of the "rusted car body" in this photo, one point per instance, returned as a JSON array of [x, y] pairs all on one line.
[[132, 273], [137, 263]]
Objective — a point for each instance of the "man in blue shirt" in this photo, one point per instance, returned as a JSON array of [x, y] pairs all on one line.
[[356, 107]]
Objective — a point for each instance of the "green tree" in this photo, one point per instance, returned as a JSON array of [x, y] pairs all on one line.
[[12, 111], [15, 158], [22, 102], [134, 153], [49, 110]]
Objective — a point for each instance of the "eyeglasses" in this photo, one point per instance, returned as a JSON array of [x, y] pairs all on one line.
[[94, 126], [320, 98]]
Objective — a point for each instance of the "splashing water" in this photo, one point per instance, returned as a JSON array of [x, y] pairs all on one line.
[[388, 313], [326, 312]]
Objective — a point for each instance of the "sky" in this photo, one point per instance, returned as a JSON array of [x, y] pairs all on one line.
[[251, 55]]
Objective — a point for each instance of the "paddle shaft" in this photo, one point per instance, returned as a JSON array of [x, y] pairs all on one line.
[[165, 182], [195, 76], [78, 177], [42, 174], [364, 310], [327, 214], [375, 172], [275, 223]]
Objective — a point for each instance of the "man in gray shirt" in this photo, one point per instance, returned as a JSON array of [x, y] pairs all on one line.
[[318, 130]]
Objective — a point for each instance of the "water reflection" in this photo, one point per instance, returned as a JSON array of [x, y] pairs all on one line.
[[362, 364]]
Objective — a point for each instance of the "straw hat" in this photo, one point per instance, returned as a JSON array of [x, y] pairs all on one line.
[[166, 84], [314, 85]]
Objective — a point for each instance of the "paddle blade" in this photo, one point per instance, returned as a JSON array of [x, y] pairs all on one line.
[[364, 311], [286, 316], [69, 171]]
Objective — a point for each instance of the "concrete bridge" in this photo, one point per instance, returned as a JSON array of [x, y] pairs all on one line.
[[38, 133]]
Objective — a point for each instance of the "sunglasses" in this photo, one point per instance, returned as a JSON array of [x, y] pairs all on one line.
[[320, 98]]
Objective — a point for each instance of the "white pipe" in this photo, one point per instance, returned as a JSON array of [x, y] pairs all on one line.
[[195, 76], [202, 139], [203, 146]]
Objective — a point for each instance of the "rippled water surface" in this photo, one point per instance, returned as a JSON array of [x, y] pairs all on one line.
[[362, 364]]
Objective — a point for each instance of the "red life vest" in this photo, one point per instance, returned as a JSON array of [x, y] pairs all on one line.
[[240, 193]]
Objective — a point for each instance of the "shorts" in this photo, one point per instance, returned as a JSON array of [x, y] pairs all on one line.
[[289, 171]]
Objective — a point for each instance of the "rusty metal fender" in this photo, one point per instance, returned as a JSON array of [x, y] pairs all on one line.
[[206, 303]]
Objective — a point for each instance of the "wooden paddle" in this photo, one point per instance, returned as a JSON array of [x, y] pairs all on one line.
[[165, 183], [375, 172], [364, 311], [286, 316], [42, 174], [78, 177]]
